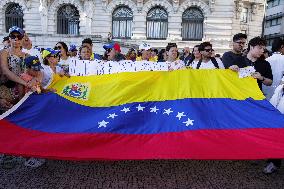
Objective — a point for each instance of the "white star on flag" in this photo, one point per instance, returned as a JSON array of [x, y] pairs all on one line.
[[102, 124], [180, 115], [125, 110], [112, 116], [140, 108], [189, 122], [169, 111], [154, 110]]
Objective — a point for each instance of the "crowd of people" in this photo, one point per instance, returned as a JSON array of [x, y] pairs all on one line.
[[27, 68]]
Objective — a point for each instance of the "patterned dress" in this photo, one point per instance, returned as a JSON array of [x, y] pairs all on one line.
[[9, 89]]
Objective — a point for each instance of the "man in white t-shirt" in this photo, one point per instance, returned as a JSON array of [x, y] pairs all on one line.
[[276, 62], [207, 62]]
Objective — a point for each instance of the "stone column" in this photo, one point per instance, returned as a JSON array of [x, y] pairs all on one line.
[[174, 26], [88, 10], [43, 15], [139, 21]]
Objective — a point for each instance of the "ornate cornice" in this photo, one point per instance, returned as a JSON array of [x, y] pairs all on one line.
[[22, 3], [163, 3], [56, 4], [113, 4], [195, 3]]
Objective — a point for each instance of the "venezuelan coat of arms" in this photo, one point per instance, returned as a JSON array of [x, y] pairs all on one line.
[[77, 90]]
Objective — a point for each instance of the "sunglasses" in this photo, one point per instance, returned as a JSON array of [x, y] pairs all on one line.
[[57, 48], [16, 36], [208, 50], [52, 56], [108, 50], [240, 43]]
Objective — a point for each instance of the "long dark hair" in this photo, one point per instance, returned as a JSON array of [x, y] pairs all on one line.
[[65, 47], [161, 56], [192, 58]]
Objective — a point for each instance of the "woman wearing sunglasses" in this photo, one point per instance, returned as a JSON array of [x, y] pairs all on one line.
[[12, 66], [63, 56]]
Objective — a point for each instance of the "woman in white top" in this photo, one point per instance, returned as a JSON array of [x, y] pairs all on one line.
[[172, 58], [50, 66], [64, 57], [196, 56]]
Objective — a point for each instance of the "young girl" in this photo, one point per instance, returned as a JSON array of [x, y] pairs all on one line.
[[85, 53]]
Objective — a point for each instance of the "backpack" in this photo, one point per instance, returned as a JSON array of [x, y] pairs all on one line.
[[213, 60]]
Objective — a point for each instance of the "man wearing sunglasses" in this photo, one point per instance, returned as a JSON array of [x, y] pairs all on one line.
[[234, 59], [113, 52], [206, 61]]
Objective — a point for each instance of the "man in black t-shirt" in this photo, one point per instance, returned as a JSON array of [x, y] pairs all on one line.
[[235, 57], [263, 72]]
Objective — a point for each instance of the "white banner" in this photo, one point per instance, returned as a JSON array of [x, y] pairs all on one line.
[[100, 67]]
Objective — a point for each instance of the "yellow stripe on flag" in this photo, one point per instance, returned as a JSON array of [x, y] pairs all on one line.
[[122, 88]]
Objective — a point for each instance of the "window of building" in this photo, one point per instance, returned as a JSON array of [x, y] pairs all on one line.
[[273, 3], [14, 16], [244, 15], [157, 23], [192, 24], [271, 38], [273, 22], [122, 19], [68, 20]]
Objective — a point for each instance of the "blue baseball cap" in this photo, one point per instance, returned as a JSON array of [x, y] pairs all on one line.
[[33, 62], [72, 48], [114, 46], [17, 29], [49, 51]]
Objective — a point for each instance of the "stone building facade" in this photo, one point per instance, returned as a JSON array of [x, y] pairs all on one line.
[[157, 22], [274, 20]]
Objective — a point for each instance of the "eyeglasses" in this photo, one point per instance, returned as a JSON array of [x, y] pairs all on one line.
[[208, 50], [57, 48], [16, 36]]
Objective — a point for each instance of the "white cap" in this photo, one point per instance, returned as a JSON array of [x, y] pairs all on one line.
[[145, 46]]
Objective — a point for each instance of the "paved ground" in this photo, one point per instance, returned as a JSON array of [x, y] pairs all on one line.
[[160, 174]]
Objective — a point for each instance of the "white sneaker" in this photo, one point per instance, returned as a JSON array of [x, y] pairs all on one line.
[[34, 162], [270, 168]]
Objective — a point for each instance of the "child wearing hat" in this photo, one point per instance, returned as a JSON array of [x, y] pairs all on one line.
[[32, 73]]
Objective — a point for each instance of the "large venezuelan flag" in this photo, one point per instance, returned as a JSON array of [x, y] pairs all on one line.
[[187, 114]]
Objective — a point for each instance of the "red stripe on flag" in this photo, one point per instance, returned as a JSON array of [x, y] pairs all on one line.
[[201, 144]]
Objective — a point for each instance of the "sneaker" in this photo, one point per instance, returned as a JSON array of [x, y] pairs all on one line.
[[1, 157], [34, 162], [8, 162], [270, 168]]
